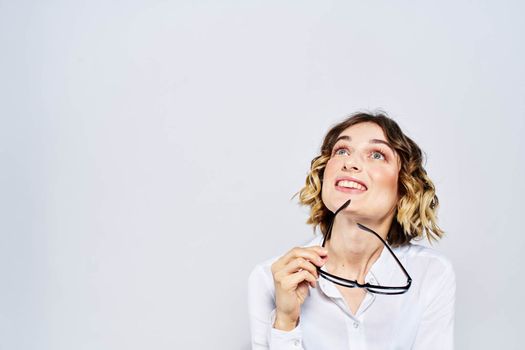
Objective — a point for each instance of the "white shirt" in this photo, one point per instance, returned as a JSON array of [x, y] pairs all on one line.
[[420, 319]]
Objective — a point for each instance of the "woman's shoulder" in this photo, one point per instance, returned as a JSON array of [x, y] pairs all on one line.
[[422, 253], [432, 265]]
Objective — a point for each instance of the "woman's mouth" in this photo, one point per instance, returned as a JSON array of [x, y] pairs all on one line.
[[350, 186]]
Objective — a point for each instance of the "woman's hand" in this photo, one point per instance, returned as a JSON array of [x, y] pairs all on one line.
[[292, 273]]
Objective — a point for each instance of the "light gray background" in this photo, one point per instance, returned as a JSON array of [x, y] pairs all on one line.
[[149, 151]]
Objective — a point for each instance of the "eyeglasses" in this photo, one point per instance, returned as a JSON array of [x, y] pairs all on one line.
[[386, 290]]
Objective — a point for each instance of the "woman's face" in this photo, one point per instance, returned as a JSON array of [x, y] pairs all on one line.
[[365, 169]]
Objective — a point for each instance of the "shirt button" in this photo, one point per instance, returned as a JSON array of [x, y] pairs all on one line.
[[296, 343], [356, 325]]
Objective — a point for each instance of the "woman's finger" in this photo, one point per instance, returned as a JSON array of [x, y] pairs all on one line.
[[295, 266], [291, 282], [314, 254]]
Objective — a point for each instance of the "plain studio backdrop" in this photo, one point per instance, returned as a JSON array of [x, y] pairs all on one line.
[[150, 151]]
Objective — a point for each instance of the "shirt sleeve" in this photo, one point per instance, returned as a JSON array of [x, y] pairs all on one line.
[[436, 330], [261, 305]]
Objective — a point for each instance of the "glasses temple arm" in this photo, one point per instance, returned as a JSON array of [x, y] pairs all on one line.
[[363, 227]]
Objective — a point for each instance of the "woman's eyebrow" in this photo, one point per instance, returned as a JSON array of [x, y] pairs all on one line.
[[343, 137], [383, 142]]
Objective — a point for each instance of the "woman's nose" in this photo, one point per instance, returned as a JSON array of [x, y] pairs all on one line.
[[351, 163]]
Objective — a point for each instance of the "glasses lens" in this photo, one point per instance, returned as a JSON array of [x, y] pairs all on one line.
[[390, 291], [397, 274], [336, 280]]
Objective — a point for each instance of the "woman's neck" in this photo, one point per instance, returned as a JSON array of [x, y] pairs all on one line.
[[351, 250]]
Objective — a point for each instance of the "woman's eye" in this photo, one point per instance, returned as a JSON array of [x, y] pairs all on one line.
[[377, 155], [341, 152]]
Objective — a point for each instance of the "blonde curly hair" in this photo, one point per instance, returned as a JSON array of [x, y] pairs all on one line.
[[416, 210]]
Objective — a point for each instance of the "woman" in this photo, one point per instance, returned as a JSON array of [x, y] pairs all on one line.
[[367, 190]]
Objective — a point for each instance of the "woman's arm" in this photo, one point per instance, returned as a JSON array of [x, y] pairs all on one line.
[[436, 330], [276, 294], [260, 306]]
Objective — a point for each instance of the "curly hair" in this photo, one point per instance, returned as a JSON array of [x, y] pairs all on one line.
[[417, 205]]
